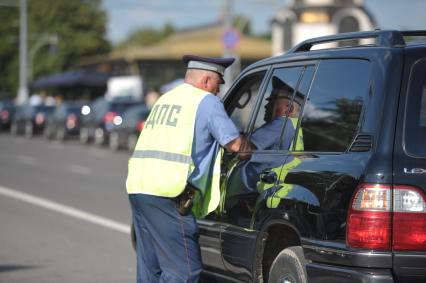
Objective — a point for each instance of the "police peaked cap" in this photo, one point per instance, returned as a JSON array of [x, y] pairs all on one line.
[[278, 84], [217, 65]]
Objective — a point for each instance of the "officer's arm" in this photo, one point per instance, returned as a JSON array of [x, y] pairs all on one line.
[[240, 145]]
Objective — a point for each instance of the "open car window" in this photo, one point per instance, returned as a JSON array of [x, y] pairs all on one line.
[[243, 98]]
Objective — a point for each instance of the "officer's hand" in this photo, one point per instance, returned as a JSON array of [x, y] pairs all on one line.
[[246, 149]]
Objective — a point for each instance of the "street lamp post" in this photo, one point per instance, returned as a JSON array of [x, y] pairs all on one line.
[[228, 41], [43, 40], [23, 87]]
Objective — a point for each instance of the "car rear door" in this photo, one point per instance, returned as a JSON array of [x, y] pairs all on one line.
[[409, 170]]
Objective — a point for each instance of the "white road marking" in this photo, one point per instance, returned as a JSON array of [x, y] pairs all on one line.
[[66, 210], [83, 170], [27, 160]]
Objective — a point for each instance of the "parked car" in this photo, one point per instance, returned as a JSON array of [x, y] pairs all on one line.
[[30, 119], [350, 205], [100, 117], [125, 135], [65, 121], [7, 109]]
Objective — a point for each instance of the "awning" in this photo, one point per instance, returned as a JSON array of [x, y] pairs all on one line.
[[76, 78]]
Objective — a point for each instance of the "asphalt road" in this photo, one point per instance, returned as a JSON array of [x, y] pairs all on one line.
[[64, 213]]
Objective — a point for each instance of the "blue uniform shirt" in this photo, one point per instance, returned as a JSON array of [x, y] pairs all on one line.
[[268, 135], [213, 128]]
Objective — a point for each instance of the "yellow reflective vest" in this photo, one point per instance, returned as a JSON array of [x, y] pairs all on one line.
[[299, 139], [161, 162]]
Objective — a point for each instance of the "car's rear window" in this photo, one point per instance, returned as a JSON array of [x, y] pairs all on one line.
[[44, 109], [415, 111], [121, 106]]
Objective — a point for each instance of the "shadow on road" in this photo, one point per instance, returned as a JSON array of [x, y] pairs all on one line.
[[14, 267]]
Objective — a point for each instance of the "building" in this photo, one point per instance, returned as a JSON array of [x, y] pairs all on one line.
[[303, 19], [162, 62]]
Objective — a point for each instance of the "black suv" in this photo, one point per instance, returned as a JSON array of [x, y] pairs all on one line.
[[348, 205], [65, 121], [101, 117]]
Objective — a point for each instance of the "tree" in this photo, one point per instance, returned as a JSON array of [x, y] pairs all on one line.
[[147, 36], [9, 32], [242, 23], [78, 24]]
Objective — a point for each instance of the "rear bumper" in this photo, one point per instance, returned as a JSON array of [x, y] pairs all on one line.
[[333, 262], [322, 273], [410, 266]]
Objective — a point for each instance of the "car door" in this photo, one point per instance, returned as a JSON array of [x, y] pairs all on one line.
[[245, 181], [409, 165], [242, 97]]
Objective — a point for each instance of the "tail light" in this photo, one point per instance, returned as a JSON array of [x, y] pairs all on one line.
[[369, 218], [4, 115], [39, 118], [109, 117], [409, 219], [140, 125], [71, 121], [382, 218]]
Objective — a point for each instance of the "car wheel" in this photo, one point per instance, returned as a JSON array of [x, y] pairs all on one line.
[[47, 132], [114, 141], [29, 129], [84, 135], [14, 129], [289, 267], [131, 142], [99, 136], [61, 134]]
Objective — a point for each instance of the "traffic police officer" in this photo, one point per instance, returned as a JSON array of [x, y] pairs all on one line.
[[177, 156]]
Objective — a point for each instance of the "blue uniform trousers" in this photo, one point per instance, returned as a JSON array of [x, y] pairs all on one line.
[[166, 242]]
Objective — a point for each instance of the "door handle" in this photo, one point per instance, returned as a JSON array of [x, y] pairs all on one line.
[[268, 177]]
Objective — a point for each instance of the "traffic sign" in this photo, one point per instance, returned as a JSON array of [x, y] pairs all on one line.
[[230, 38]]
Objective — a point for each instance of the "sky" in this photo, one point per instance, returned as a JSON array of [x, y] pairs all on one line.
[[126, 16]]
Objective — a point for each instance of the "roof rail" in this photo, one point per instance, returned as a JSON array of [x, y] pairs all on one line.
[[414, 33], [385, 38]]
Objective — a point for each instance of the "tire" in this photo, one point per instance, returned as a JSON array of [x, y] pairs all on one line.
[[114, 141], [14, 129], [289, 267], [47, 132], [131, 142], [29, 129], [84, 136], [61, 134], [99, 137]]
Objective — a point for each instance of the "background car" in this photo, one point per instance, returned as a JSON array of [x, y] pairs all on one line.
[[30, 119], [7, 109], [126, 134], [65, 121], [100, 117]]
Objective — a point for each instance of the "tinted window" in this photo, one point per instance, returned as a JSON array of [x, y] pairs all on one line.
[[244, 97], [120, 107], [285, 77], [332, 111], [274, 109], [298, 103], [415, 121]]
